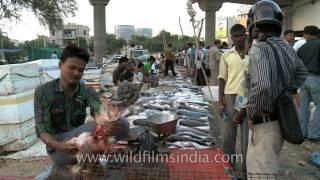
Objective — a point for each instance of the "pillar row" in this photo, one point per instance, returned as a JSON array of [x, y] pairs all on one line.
[[99, 23]]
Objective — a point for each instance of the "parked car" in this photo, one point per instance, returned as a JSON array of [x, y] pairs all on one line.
[[139, 52], [143, 58], [113, 59]]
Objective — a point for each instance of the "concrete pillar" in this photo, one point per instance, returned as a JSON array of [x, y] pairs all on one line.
[[210, 27], [287, 19], [99, 23], [210, 7]]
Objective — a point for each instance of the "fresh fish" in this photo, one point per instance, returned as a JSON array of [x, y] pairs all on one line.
[[205, 129], [136, 109], [202, 138], [193, 114], [135, 132], [196, 109], [134, 117], [188, 144], [174, 138], [154, 106], [201, 103], [201, 119], [173, 145], [189, 86], [192, 123], [189, 129]]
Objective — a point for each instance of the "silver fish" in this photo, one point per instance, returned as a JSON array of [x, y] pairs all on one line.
[[188, 144], [192, 123], [202, 138], [205, 129], [195, 108], [201, 119], [188, 129], [175, 145], [174, 138]]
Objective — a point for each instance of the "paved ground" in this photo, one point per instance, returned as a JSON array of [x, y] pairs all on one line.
[[294, 161]]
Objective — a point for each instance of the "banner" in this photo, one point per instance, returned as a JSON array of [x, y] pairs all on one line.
[[222, 28]]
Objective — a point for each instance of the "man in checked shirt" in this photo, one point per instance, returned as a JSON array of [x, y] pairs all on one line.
[[265, 141]]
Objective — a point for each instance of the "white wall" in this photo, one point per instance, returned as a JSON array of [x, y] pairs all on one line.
[[305, 14]]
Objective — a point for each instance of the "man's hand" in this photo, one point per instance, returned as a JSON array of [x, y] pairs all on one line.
[[238, 117], [221, 107], [107, 129], [250, 122], [68, 146], [109, 113]]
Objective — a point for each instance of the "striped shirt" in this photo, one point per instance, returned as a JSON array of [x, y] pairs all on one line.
[[263, 80]]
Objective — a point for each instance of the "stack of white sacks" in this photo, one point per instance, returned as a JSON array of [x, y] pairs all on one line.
[[17, 86]]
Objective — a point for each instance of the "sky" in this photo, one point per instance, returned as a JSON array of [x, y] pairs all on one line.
[[155, 14]]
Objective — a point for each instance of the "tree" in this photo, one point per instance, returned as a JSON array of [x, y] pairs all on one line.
[[49, 12], [82, 42], [5, 41], [113, 45]]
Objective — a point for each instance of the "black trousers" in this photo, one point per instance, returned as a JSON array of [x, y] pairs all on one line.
[[169, 64]]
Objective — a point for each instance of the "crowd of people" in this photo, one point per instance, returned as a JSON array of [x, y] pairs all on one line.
[[250, 76]]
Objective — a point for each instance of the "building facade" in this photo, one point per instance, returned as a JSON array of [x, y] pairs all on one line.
[[243, 14], [305, 13], [124, 32], [70, 34], [147, 32]]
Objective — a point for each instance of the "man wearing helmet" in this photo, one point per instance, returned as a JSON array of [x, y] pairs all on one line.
[[264, 85]]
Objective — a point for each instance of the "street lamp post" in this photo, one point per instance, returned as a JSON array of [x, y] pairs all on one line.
[[1, 37]]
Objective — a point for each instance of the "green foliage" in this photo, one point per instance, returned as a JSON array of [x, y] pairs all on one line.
[[49, 12], [157, 43], [5, 42], [82, 42], [114, 46]]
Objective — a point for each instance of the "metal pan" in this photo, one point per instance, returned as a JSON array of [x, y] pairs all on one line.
[[164, 124]]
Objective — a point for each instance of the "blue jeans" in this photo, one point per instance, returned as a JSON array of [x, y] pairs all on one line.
[[310, 92]]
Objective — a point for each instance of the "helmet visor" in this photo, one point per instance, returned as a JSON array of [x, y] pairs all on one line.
[[264, 12]]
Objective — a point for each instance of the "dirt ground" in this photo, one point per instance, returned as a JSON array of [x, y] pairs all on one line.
[[26, 168]]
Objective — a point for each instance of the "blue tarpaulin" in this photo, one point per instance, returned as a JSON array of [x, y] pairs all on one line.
[[315, 158]]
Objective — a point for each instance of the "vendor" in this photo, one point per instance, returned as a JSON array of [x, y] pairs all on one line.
[[153, 72], [139, 73], [126, 90], [122, 66], [60, 109]]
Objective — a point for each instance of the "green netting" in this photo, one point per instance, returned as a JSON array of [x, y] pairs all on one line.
[[42, 53]]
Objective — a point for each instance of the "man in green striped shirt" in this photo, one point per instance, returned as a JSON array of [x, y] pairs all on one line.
[[60, 109]]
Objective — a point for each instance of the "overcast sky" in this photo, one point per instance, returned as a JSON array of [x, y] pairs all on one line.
[[155, 14]]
